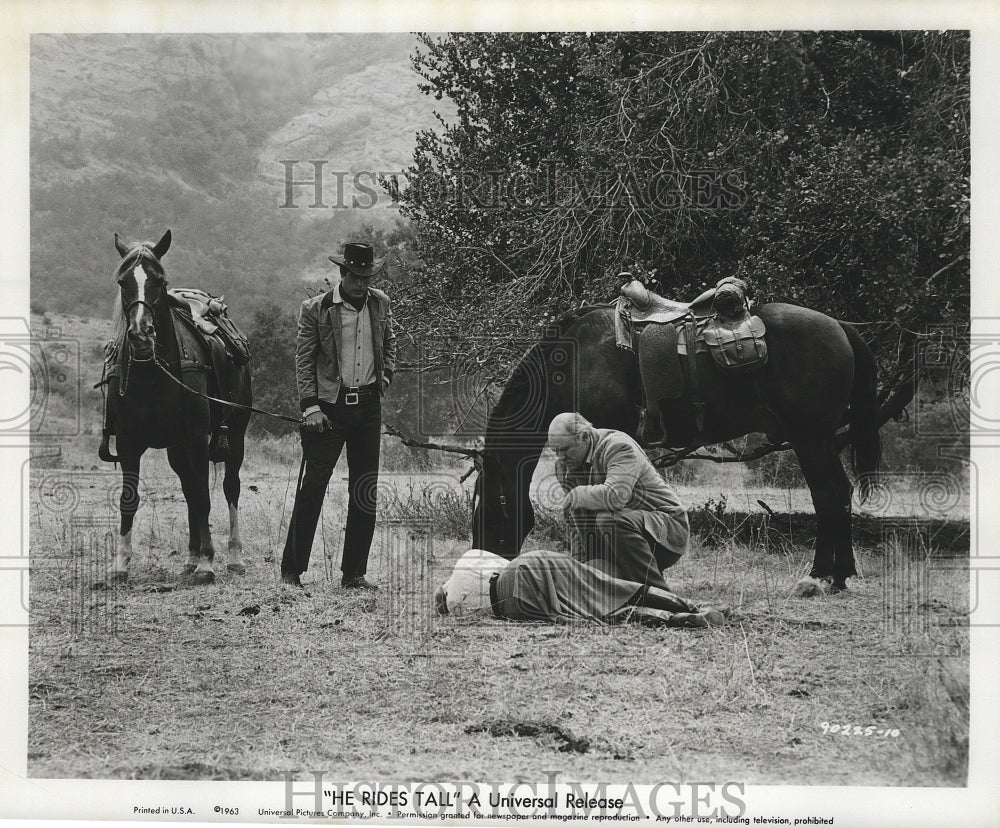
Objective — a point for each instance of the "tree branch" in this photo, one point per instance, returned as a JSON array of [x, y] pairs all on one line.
[[407, 440]]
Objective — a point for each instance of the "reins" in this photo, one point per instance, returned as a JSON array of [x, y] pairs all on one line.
[[163, 367], [130, 358]]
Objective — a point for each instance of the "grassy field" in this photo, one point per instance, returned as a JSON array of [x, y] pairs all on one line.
[[244, 678]]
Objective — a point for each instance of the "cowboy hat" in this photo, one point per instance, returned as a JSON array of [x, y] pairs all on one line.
[[360, 260]]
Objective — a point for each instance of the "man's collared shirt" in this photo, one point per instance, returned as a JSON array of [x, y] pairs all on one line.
[[320, 363], [357, 362]]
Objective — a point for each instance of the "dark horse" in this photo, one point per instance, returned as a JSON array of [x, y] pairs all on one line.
[[150, 409], [819, 377]]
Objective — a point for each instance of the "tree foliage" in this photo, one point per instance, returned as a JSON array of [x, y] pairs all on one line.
[[828, 169], [272, 368]]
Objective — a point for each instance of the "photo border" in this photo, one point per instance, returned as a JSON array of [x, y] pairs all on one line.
[[100, 799]]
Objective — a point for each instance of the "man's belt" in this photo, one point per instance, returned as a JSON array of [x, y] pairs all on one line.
[[494, 602], [351, 395]]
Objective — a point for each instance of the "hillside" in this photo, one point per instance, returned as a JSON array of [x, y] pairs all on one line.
[[139, 133]]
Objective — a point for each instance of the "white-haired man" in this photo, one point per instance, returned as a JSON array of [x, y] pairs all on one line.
[[624, 516]]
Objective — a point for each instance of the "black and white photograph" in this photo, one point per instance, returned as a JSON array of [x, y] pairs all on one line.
[[426, 414]]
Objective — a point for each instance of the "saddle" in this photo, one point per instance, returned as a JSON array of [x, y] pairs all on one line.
[[210, 315], [647, 306], [206, 317], [228, 348], [667, 336]]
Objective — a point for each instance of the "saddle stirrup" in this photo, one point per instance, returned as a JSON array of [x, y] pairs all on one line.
[[218, 447]]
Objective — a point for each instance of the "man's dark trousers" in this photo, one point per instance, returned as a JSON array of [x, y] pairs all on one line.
[[359, 428]]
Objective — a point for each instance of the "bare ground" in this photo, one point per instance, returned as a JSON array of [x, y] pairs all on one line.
[[245, 678]]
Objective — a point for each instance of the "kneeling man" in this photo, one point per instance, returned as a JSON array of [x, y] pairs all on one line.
[[554, 586], [624, 518]]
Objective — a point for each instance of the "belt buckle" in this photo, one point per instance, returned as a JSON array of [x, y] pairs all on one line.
[[348, 396]]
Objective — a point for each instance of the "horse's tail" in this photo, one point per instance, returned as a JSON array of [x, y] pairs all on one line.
[[866, 444]]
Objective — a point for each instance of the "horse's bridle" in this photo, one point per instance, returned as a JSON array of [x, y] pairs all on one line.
[[152, 317], [478, 494], [128, 351], [503, 497], [129, 357], [152, 351]]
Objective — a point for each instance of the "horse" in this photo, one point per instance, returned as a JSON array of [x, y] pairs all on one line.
[[820, 376], [154, 404]]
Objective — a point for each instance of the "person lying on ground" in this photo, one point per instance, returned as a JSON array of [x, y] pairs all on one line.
[[556, 587]]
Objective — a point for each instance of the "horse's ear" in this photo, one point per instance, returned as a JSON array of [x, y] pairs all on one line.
[[162, 246], [120, 245]]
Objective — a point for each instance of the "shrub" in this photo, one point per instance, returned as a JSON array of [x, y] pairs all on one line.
[[933, 429], [779, 469], [397, 457], [685, 473], [272, 367], [550, 526], [448, 511]]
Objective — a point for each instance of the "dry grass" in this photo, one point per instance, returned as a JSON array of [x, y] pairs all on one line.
[[243, 679]]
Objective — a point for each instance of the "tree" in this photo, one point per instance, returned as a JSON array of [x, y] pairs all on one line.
[[829, 169], [272, 368]]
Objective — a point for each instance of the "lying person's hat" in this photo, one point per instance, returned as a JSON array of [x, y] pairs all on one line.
[[468, 588], [360, 260]]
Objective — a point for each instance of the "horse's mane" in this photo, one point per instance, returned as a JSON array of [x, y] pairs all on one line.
[[520, 386], [143, 252], [118, 322], [558, 328]]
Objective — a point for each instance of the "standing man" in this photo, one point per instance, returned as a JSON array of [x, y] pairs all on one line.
[[624, 517], [345, 355]]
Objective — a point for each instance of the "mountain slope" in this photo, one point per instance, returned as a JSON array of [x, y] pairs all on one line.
[[138, 133]]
